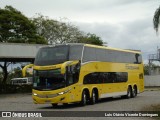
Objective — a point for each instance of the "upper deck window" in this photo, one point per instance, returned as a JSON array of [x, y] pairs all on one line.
[[52, 55], [75, 52], [58, 54], [107, 55]]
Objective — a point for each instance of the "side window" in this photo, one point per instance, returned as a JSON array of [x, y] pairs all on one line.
[[89, 54], [112, 77], [130, 58], [101, 77], [72, 75], [100, 55], [114, 56], [87, 79], [92, 78], [75, 52], [122, 57], [105, 77], [122, 76], [70, 79], [140, 58], [30, 79], [109, 56], [95, 78]]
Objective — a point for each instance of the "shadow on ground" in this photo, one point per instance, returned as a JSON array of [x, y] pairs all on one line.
[[74, 105]]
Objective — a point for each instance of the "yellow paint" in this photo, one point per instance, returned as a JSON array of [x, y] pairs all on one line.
[[75, 91], [67, 63], [25, 68]]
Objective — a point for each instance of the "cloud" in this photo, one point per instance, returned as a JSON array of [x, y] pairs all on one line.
[[123, 24], [137, 35], [85, 10]]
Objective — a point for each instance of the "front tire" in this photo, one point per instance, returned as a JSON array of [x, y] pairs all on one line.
[[84, 99], [65, 104]]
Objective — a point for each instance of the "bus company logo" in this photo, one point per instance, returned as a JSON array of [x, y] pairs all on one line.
[[132, 67], [20, 114], [6, 114]]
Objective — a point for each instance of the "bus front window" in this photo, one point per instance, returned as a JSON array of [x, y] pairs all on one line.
[[52, 55], [48, 80]]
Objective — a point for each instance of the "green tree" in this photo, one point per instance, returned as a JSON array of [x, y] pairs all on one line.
[[156, 19], [17, 28], [3, 66], [15, 73], [91, 39], [56, 31], [60, 32], [146, 69]]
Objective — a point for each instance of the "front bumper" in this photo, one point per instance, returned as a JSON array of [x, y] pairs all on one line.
[[57, 99], [43, 97]]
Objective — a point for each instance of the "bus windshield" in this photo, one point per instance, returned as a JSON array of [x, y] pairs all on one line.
[[48, 79], [52, 55]]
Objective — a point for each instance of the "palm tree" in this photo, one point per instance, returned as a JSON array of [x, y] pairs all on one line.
[[156, 19]]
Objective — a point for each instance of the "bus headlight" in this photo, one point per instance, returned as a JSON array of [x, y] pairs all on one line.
[[35, 94], [61, 93]]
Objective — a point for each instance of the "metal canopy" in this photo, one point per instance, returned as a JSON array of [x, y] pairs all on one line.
[[18, 52]]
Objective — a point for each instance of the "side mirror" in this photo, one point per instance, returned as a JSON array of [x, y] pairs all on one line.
[[68, 63], [25, 68]]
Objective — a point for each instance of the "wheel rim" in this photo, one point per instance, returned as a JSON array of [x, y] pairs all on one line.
[[93, 97], [129, 93], [84, 98], [135, 92], [54, 104]]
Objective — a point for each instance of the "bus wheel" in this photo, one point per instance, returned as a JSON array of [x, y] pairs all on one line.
[[129, 92], [65, 104], [93, 97], [84, 99], [54, 104], [134, 92]]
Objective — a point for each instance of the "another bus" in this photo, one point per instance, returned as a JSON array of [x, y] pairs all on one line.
[[85, 73], [22, 81]]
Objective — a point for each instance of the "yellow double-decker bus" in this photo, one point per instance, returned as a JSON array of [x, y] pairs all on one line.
[[85, 73]]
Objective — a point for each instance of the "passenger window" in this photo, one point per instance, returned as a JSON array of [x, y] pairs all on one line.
[[89, 54], [105, 77]]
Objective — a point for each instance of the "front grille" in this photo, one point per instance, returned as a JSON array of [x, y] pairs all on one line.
[[47, 96]]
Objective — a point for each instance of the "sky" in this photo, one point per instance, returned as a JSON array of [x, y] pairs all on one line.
[[126, 24]]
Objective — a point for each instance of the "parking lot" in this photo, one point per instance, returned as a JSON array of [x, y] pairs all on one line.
[[143, 102]]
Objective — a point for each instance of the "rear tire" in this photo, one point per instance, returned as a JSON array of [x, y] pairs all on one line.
[[134, 92], [93, 97], [54, 104], [129, 93]]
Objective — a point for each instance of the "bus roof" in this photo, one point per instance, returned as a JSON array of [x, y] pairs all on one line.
[[110, 48], [97, 46]]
